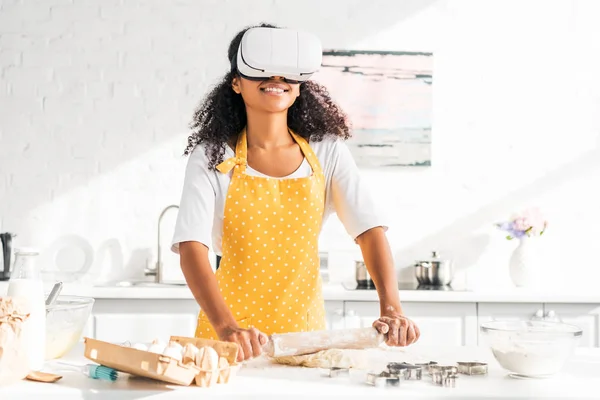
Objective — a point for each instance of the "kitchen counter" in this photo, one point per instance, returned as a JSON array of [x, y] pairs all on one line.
[[337, 292], [260, 379]]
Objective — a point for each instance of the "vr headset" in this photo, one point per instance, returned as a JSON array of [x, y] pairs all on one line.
[[268, 52]]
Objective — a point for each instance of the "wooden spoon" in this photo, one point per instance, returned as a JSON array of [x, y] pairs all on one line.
[[45, 377]]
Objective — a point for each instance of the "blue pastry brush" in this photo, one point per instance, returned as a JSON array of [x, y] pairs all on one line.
[[95, 371]]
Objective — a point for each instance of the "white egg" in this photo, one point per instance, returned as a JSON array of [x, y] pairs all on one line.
[[189, 353], [157, 347], [140, 346], [173, 352], [176, 345], [199, 356], [210, 361]]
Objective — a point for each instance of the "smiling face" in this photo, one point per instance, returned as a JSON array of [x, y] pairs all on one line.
[[272, 96]]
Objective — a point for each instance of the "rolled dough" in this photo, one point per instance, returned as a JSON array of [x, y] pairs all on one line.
[[322, 359]]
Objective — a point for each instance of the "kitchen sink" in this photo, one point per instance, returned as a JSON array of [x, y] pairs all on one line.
[[143, 284]]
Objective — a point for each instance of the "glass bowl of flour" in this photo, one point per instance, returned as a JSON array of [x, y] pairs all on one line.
[[531, 349]]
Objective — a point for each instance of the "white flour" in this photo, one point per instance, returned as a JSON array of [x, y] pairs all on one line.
[[535, 358], [529, 364]]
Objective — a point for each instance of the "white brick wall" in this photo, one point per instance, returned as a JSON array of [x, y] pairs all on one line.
[[95, 98]]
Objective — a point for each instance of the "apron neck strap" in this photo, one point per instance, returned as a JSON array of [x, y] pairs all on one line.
[[308, 152], [241, 151]]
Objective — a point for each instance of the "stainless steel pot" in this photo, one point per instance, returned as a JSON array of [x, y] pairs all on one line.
[[435, 271], [363, 279]]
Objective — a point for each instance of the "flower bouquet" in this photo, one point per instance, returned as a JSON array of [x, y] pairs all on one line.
[[524, 263], [529, 222]]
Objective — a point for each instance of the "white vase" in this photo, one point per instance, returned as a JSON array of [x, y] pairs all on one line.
[[524, 265]]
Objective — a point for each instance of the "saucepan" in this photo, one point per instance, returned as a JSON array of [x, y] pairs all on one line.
[[435, 271], [363, 279]]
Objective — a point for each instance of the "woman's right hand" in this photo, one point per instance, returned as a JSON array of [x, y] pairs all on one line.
[[249, 341]]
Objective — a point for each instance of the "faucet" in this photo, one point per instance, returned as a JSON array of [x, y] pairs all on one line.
[[157, 270]]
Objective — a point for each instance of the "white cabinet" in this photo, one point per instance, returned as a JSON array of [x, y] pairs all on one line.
[[143, 320], [585, 316], [120, 320], [446, 324], [334, 313], [506, 311], [122, 327], [88, 329], [509, 311]]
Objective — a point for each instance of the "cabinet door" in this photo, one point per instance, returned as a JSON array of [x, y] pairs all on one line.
[[507, 311], [88, 329], [334, 312], [119, 321], [585, 316], [441, 324], [119, 328]]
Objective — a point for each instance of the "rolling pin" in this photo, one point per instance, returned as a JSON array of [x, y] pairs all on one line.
[[298, 343]]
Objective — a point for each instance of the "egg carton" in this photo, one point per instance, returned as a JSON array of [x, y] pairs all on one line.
[[221, 375], [227, 365], [165, 368], [140, 363]]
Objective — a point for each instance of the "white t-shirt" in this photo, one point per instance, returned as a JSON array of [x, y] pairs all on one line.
[[202, 204]]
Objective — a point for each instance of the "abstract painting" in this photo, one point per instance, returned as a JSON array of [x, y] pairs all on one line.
[[388, 98]]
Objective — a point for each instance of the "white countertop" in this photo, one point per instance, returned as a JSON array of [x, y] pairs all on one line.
[[259, 379], [337, 292]]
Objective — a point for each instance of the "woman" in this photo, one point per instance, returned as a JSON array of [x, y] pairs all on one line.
[[267, 165]]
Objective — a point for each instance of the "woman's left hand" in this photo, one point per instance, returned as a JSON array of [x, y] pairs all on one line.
[[399, 330]]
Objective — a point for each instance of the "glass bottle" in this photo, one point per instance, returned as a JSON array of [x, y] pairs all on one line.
[[26, 285]]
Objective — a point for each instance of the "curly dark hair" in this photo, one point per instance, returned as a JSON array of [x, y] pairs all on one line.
[[222, 114]]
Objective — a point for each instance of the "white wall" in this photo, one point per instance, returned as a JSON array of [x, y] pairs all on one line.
[[95, 98]]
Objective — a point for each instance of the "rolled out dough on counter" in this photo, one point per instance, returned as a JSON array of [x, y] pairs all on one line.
[[322, 359]]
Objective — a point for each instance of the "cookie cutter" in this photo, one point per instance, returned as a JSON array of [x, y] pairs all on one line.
[[472, 368], [405, 370], [337, 371], [383, 379], [397, 368], [444, 379], [443, 369], [426, 366]]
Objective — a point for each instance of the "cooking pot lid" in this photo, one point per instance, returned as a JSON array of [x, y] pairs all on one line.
[[435, 256]]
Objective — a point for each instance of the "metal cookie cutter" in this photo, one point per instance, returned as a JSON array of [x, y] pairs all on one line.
[[406, 370], [383, 379], [443, 369], [444, 379], [472, 368], [337, 371], [397, 368], [427, 366]]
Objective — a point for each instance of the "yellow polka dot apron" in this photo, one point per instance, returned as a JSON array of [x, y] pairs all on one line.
[[269, 272]]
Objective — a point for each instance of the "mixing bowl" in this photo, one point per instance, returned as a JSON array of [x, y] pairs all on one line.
[[531, 349], [65, 320]]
